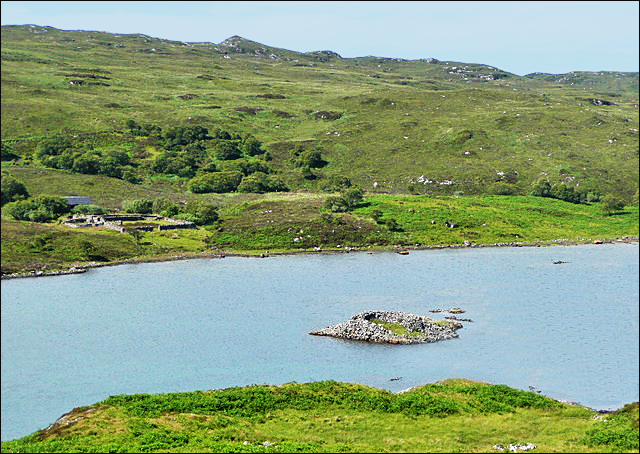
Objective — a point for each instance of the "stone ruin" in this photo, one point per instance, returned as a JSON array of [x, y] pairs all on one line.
[[421, 329]]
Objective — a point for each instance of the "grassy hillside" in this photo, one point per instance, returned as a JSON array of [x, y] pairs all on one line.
[[283, 222], [451, 416], [381, 122], [126, 117]]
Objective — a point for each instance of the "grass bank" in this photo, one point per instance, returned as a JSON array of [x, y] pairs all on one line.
[[456, 415], [292, 223]]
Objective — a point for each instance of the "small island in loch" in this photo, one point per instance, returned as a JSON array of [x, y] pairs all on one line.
[[392, 327]]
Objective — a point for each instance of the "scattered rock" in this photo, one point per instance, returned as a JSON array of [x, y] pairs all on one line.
[[325, 115], [421, 329]]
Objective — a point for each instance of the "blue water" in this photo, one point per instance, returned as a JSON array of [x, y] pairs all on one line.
[[570, 330]]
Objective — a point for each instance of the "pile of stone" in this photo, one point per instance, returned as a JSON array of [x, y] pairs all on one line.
[[362, 327]]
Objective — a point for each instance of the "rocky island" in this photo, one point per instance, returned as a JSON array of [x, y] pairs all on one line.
[[392, 327]]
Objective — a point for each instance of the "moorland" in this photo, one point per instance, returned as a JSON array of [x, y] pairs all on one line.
[[279, 150], [270, 150]]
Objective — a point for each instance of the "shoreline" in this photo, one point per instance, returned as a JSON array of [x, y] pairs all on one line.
[[82, 268]]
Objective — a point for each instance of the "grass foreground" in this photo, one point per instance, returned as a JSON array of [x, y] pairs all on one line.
[[454, 415]]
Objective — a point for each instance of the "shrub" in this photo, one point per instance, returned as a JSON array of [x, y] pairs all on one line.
[[611, 204], [54, 146], [353, 196], [12, 190], [393, 225], [88, 209], [182, 164], [142, 206], [336, 204], [251, 146], [177, 137], [541, 188], [311, 159], [218, 182], [165, 207], [244, 165], [201, 212], [8, 154], [42, 208], [226, 150], [260, 182]]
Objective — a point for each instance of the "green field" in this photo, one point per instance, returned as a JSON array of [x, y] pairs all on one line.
[[452, 416]]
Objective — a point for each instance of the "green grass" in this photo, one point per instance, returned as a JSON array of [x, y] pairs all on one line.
[[288, 222], [451, 416], [396, 328], [399, 119]]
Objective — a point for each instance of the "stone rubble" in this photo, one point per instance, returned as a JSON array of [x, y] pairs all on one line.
[[360, 327]]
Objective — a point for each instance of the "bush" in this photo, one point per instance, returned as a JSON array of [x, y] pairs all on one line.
[[541, 188], [200, 212], [611, 205], [218, 182], [348, 200], [251, 146], [353, 196], [226, 150], [311, 159], [8, 154], [165, 207], [42, 208], [393, 225], [12, 190], [259, 183], [54, 146], [182, 164], [244, 165], [141, 206], [177, 137], [336, 204], [88, 209]]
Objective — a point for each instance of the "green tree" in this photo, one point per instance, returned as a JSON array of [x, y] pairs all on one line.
[[612, 204], [393, 225], [140, 206], [43, 208], [353, 196], [54, 146], [165, 207], [137, 235], [12, 189], [541, 188], [218, 182], [336, 204], [226, 150], [201, 211], [251, 146], [376, 215]]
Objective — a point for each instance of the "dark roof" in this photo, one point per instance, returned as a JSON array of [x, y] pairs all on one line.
[[74, 200]]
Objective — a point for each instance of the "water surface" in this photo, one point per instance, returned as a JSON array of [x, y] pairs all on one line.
[[570, 330]]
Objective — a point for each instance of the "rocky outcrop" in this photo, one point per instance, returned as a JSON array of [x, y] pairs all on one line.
[[367, 326]]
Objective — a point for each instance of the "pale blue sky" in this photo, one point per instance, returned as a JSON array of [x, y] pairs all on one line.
[[519, 37]]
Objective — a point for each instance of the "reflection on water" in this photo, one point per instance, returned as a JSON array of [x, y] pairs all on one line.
[[570, 330]]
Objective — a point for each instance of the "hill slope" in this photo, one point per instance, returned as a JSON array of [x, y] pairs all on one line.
[[386, 124]]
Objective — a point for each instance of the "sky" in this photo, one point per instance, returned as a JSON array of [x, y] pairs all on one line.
[[519, 37]]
